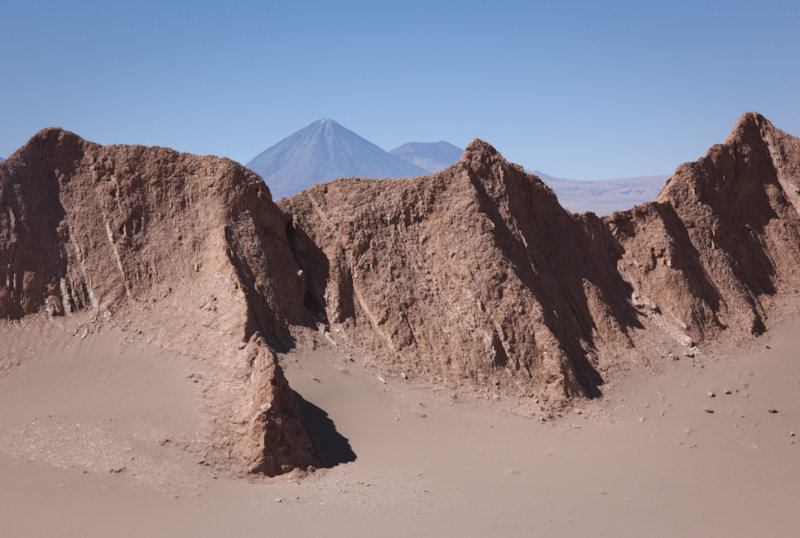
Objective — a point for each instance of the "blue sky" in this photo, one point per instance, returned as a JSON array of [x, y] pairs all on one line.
[[585, 90]]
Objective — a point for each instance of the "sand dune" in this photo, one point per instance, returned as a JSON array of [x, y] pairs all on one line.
[[78, 457]]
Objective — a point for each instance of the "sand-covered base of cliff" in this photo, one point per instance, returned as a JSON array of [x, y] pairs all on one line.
[[98, 438]]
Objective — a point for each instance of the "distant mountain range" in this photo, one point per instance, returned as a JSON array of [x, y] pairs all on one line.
[[605, 196], [321, 152], [325, 150]]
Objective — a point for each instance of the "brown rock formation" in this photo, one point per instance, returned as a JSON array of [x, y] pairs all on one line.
[[474, 276], [189, 251], [477, 274], [721, 241]]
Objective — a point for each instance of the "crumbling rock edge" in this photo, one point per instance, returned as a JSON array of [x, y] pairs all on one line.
[[474, 277], [188, 252]]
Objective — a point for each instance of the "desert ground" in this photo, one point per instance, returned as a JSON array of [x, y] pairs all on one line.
[[97, 438]]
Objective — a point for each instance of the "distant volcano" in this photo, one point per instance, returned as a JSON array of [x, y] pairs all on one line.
[[321, 152], [431, 156]]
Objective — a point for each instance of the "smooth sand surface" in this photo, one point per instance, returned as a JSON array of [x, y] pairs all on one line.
[[97, 439]]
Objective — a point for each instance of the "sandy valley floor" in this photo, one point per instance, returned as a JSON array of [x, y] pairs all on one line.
[[98, 438]]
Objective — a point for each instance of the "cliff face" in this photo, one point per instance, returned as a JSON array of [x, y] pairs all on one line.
[[188, 251], [476, 274], [721, 240]]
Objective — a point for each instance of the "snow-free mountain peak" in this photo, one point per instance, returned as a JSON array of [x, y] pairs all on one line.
[[322, 151], [431, 156]]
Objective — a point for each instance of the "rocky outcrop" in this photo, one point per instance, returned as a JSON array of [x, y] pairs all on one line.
[[722, 239], [188, 251], [477, 276], [473, 277]]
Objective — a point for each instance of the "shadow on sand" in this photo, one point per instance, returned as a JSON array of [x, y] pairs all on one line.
[[332, 448]]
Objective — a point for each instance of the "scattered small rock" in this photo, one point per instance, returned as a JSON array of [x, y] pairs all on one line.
[[728, 391], [710, 411], [772, 410], [382, 380], [712, 394]]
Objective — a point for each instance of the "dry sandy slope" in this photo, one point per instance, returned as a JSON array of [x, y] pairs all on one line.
[[92, 404]]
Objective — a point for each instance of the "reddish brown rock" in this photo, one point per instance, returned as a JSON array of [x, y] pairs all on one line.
[[188, 251], [476, 273], [721, 242], [473, 277]]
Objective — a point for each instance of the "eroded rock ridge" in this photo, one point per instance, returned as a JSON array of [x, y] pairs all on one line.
[[478, 277], [188, 251], [473, 277]]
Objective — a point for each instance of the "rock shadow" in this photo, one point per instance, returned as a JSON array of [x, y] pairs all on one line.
[[331, 447]]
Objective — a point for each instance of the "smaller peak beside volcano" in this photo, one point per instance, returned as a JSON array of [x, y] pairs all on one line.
[[430, 156]]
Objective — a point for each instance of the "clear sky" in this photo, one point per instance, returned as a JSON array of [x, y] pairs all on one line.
[[585, 90]]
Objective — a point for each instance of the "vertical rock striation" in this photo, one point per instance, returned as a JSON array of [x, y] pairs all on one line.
[[477, 274], [189, 251]]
